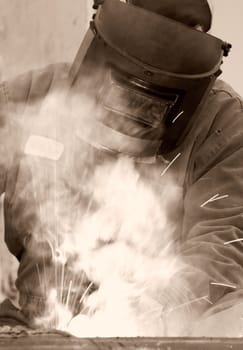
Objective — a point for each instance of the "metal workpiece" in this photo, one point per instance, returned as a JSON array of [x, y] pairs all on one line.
[[12, 339]]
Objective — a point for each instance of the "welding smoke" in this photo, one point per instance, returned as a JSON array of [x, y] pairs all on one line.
[[97, 226]]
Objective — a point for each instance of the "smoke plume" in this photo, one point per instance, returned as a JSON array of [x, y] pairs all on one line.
[[101, 220]]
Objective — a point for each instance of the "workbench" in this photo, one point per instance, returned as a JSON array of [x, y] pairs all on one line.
[[17, 338]]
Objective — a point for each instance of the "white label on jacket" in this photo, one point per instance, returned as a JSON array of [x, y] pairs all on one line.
[[44, 147]]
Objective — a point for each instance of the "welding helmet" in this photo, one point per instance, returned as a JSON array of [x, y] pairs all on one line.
[[148, 75]]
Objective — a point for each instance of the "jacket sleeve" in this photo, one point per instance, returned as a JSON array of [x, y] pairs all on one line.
[[38, 268], [211, 279], [15, 95]]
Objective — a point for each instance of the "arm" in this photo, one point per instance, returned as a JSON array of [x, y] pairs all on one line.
[[213, 222], [38, 268]]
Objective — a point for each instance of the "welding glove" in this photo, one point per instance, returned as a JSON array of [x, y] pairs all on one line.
[[227, 323], [224, 320], [11, 316], [50, 290]]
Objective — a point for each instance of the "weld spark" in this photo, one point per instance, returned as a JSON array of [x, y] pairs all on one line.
[[170, 164], [86, 292], [68, 294], [39, 276], [175, 119], [216, 197], [234, 241], [205, 298], [223, 285]]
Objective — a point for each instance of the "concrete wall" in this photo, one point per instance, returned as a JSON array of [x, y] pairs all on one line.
[[228, 25], [36, 32]]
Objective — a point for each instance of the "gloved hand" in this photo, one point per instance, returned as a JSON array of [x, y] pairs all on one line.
[[226, 323], [8, 274], [50, 290]]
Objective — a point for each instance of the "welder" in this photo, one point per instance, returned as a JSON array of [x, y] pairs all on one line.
[[159, 55]]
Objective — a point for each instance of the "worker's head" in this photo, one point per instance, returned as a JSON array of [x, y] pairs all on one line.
[[150, 70], [194, 13]]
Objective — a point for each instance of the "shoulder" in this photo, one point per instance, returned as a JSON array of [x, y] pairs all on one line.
[[222, 88], [223, 133], [223, 112], [21, 99], [34, 84], [228, 103], [228, 119]]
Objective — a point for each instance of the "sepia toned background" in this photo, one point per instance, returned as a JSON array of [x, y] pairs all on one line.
[[34, 33]]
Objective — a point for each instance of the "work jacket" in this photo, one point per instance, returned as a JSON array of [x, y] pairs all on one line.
[[209, 212]]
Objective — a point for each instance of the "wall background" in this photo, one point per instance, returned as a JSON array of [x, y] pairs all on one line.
[[36, 32], [228, 25]]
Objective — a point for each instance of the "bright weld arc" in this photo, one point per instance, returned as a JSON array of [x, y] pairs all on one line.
[[216, 197], [178, 116], [170, 164]]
